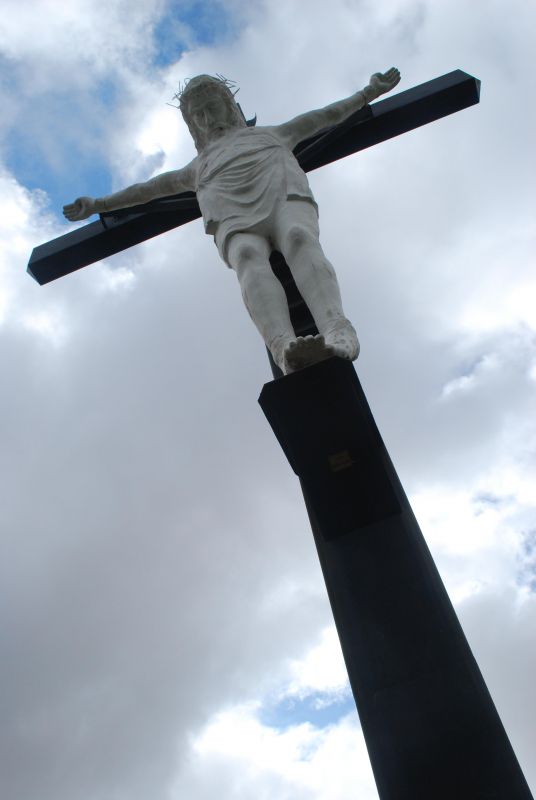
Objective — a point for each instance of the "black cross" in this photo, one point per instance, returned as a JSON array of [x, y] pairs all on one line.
[[431, 728], [117, 230]]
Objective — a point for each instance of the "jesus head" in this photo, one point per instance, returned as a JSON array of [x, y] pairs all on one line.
[[209, 109]]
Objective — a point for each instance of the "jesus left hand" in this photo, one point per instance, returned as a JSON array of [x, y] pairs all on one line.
[[383, 82]]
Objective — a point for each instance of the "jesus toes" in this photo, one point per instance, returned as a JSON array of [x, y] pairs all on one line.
[[305, 351]]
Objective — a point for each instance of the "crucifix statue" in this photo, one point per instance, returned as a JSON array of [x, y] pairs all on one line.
[[255, 198], [431, 728]]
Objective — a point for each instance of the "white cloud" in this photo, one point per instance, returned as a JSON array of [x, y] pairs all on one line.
[[476, 533], [322, 669], [102, 36], [47, 324], [24, 216], [237, 757]]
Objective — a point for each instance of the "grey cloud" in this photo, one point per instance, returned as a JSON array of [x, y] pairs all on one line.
[[149, 515]]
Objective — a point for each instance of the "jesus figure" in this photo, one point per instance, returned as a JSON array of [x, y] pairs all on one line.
[[255, 198]]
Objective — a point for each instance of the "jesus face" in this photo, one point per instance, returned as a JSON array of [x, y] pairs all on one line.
[[211, 114]]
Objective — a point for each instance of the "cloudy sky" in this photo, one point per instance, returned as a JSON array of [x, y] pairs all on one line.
[[165, 630]]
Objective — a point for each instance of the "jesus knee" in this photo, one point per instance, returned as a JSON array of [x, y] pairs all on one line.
[[300, 238], [304, 253], [247, 257]]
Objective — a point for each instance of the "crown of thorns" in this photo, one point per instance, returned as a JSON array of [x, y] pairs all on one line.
[[200, 83]]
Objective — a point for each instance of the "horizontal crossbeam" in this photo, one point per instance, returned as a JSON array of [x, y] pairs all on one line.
[[116, 231]]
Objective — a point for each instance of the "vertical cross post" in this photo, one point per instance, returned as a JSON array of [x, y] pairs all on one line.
[[430, 725]]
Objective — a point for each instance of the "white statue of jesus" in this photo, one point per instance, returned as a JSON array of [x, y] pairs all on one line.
[[255, 198]]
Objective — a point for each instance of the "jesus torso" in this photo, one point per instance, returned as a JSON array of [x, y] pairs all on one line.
[[242, 175]]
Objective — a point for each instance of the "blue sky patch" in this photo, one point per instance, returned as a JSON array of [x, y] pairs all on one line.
[[56, 144], [77, 176], [190, 23], [317, 709]]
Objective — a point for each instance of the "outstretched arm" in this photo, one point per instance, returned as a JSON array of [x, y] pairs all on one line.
[[306, 125], [168, 183]]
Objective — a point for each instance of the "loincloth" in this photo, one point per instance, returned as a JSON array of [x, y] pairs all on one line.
[[264, 227]]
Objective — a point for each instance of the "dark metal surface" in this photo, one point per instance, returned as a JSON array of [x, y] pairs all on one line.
[[118, 230], [430, 725]]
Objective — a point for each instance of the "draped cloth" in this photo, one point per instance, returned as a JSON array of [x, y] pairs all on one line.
[[241, 178]]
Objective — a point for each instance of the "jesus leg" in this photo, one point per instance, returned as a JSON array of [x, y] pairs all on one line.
[[296, 234], [263, 294]]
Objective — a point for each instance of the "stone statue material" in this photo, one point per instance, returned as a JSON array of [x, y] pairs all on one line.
[[255, 198]]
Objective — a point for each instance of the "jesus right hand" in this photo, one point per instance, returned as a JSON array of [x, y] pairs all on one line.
[[82, 208]]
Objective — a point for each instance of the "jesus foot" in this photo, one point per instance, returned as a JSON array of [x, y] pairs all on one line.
[[306, 350], [342, 339]]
